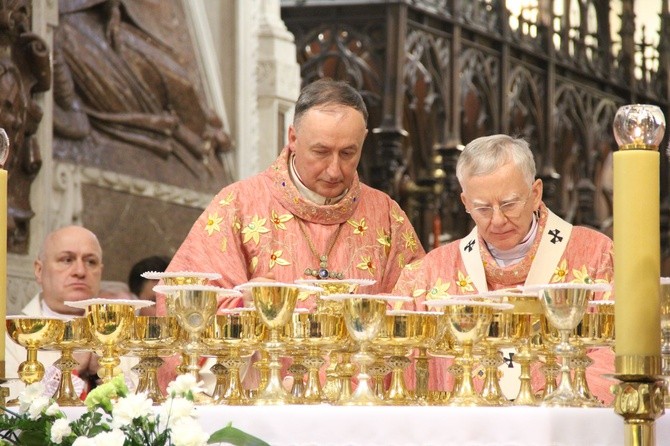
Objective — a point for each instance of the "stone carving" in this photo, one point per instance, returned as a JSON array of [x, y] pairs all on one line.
[[24, 71], [66, 203], [122, 79]]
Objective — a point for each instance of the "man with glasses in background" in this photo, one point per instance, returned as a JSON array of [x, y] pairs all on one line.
[[516, 240]]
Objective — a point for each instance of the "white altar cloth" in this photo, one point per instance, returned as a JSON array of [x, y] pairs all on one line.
[[325, 425]]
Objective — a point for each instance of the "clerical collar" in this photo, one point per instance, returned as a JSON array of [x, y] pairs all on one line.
[[515, 255], [307, 193]]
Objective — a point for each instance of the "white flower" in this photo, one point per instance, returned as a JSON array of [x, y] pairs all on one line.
[[60, 429], [84, 441], [126, 409], [115, 437], [53, 409], [28, 395], [184, 384], [37, 406], [187, 433], [175, 409]]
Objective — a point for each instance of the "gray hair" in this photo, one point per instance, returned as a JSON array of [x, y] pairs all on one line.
[[326, 92], [483, 155]]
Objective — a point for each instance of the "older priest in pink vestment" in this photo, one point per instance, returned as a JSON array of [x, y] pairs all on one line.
[[516, 240], [308, 214]]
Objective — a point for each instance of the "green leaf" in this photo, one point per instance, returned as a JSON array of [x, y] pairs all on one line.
[[31, 438], [234, 436]]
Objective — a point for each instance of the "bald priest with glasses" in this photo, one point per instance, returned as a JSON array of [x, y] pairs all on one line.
[[516, 240]]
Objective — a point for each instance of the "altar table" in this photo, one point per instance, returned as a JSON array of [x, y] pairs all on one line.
[[325, 425]]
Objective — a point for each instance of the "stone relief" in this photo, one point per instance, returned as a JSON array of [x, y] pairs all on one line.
[[125, 77]]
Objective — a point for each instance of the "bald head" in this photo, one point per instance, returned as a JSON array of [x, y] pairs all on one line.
[[69, 267]]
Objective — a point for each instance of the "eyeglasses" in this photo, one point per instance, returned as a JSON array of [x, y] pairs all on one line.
[[511, 209]]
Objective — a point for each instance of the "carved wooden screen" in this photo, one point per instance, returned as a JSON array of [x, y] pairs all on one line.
[[440, 73]]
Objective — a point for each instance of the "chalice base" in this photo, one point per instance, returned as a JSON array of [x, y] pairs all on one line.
[[273, 394], [203, 399], [363, 395], [563, 398], [467, 401]]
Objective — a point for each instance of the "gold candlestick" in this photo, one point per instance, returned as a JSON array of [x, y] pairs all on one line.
[[638, 130]]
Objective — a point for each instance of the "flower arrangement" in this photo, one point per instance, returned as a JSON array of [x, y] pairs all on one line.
[[114, 417]]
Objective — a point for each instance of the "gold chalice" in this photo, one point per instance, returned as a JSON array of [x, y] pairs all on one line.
[[564, 305], [76, 335], [150, 338], [33, 333], [110, 322], [309, 333], [194, 307], [596, 330], [182, 278], [275, 302], [468, 323], [401, 331], [512, 328], [363, 317], [234, 331], [340, 370]]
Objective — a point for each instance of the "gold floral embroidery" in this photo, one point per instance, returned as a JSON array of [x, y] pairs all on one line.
[[384, 239], [359, 226], [439, 290], [226, 201], [237, 224], [367, 265], [581, 276], [414, 265], [418, 292], [279, 220], [275, 259], [410, 241], [212, 225], [253, 264], [401, 260], [224, 244], [254, 229], [464, 282], [397, 216], [561, 272]]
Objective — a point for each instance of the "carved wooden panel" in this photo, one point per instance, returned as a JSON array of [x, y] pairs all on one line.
[[24, 72], [470, 68]]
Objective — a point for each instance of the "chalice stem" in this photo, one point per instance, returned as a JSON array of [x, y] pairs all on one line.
[[313, 390], [109, 361], [565, 386], [66, 395], [466, 388], [152, 388], [525, 397], [235, 394], [397, 390], [491, 391], [192, 350], [421, 367]]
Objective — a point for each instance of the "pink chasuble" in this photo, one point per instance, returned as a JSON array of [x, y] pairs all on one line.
[[252, 228], [587, 258]]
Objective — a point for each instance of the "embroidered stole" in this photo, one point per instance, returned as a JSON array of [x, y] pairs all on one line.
[[555, 236]]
